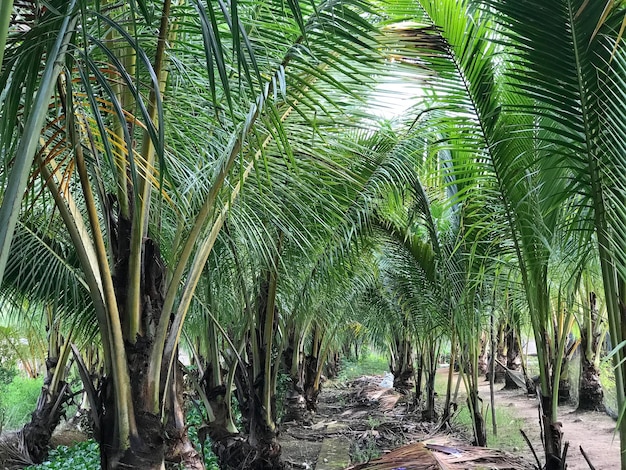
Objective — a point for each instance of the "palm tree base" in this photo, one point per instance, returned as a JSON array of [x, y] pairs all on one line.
[[235, 452], [146, 451], [591, 395]]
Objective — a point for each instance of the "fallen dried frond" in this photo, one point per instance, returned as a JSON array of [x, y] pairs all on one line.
[[431, 456], [368, 392], [13, 451], [412, 457]]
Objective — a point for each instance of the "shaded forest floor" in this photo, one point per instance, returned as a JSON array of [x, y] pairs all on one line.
[[358, 421]]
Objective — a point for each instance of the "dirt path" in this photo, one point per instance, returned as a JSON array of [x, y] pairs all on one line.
[[592, 430], [367, 421], [361, 421]]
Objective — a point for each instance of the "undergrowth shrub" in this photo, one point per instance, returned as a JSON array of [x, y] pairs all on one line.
[[282, 388], [7, 374], [607, 379], [194, 417], [82, 456]]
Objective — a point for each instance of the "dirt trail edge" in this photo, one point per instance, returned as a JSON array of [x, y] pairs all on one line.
[[592, 430]]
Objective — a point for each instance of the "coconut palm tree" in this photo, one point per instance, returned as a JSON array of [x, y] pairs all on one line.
[[535, 92]]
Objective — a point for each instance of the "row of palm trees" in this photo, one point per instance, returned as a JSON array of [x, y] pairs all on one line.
[[207, 173], [149, 143], [528, 152]]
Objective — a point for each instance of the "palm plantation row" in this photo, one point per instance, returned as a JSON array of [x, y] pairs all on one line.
[[210, 176]]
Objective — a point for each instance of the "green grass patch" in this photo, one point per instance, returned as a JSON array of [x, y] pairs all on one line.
[[18, 400], [508, 428], [508, 424], [441, 382]]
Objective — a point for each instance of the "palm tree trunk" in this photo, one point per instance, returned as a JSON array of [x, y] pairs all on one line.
[[447, 412], [146, 447], [403, 370], [469, 371], [478, 420], [552, 435], [54, 394], [565, 383], [256, 393], [513, 355], [418, 379], [494, 424], [501, 352], [311, 392], [590, 394], [430, 414], [317, 382], [178, 447], [293, 363], [259, 449]]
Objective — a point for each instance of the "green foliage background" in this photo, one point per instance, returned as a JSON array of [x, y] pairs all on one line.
[[18, 399]]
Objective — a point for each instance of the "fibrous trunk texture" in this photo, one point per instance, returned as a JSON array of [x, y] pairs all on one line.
[[501, 352], [565, 384], [402, 366], [591, 395], [311, 387], [331, 368], [295, 405], [429, 413], [178, 447], [147, 448], [258, 449], [513, 358]]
